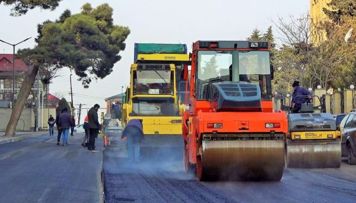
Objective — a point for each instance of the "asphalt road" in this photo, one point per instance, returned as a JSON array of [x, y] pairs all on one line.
[[165, 181], [37, 170]]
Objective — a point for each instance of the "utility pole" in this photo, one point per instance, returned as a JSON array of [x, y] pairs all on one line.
[[42, 101], [71, 91], [80, 108], [79, 113], [122, 95]]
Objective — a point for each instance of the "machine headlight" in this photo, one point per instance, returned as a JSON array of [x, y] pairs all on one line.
[[272, 125], [297, 136], [215, 125], [330, 136]]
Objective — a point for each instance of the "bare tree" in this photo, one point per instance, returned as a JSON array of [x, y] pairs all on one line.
[[294, 31]]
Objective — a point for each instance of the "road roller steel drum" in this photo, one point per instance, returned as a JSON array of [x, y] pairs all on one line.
[[314, 141], [243, 157]]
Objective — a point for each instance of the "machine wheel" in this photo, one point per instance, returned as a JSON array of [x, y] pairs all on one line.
[[351, 158], [200, 170]]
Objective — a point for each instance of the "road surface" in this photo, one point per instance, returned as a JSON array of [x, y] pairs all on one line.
[[165, 181], [37, 170]]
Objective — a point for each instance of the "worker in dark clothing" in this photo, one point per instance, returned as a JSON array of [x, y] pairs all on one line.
[[133, 133], [299, 97], [51, 122], [116, 111], [59, 129], [72, 126], [94, 126], [65, 121]]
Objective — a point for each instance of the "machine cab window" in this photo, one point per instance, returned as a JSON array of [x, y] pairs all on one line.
[[153, 80], [237, 66]]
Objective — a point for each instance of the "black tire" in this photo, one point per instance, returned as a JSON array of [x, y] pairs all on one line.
[[199, 170], [351, 158], [201, 174]]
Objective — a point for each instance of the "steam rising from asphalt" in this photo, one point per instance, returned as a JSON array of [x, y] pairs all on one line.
[[160, 156]]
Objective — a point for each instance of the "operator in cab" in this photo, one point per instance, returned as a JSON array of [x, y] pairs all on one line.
[[299, 97]]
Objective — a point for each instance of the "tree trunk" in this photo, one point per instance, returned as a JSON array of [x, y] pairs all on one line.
[[21, 101]]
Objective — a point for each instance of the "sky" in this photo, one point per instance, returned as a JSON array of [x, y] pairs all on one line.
[[159, 21]]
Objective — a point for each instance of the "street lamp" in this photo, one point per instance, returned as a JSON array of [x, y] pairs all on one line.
[[352, 87], [122, 94], [13, 65]]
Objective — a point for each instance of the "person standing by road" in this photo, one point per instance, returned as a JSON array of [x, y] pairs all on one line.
[[59, 129], [51, 122], [65, 122], [94, 126], [299, 97], [133, 133], [72, 126], [86, 131]]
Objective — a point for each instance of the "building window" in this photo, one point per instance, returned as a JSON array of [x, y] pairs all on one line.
[[1, 84], [7, 84]]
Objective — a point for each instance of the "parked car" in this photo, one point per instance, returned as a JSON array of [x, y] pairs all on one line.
[[338, 118], [348, 142]]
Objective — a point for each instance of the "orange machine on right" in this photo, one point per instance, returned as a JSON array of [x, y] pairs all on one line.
[[229, 127]]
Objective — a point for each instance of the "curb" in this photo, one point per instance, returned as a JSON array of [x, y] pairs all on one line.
[[101, 179], [11, 139], [18, 138]]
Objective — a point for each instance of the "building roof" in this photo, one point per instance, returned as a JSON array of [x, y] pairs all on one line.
[[52, 101], [53, 98], [6, 64]]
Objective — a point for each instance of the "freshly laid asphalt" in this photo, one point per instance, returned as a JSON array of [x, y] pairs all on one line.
[[37, 170], [164, 180]]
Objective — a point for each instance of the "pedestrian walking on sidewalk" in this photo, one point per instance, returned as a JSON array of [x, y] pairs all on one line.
[[94, 126], [51, 122], [65, 122], [86, 131], [133, 133]]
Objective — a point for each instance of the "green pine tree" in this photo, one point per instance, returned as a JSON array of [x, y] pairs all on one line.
[[255, 36], [22, 6], [88, 43], [268, 35]]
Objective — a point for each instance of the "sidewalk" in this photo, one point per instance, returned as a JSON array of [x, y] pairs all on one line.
[[38, 170], [20, 136]]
